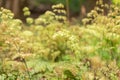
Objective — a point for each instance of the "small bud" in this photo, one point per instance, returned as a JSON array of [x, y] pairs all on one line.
[[25, 9], [29, 20], [27, 13]]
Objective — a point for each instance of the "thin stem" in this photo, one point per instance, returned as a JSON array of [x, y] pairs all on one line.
[[27, 68], [68, 10]]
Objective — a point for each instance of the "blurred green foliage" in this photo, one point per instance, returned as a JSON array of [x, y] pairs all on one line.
[[73, 4], [117, 2]]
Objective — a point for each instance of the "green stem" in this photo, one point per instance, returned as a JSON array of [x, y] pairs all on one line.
[[27, 68], [68, 10]]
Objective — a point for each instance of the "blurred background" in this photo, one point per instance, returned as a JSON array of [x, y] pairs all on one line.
[[76, 8]]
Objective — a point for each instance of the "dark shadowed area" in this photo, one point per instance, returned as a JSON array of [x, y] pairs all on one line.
[[77, 8]]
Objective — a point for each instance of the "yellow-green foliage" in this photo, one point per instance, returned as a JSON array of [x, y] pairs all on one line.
[[52, 49]]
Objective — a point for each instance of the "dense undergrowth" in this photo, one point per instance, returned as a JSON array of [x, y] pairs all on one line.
[[49, 48]]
